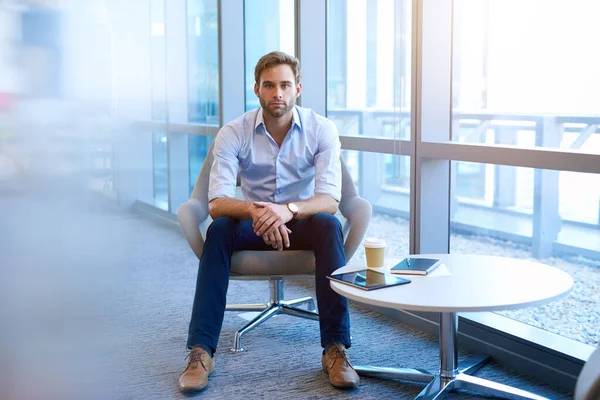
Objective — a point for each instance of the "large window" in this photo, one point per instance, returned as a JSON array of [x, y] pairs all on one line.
[[160, 171], [198, 148], [368, 67], [158, 105], [516, 83], [526, 217], [158, 60], [203, 78], [368, 95], [203, 61], [269, 25], [516, 78]]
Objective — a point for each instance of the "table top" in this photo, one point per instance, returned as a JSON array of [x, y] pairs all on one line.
[[466, 283]]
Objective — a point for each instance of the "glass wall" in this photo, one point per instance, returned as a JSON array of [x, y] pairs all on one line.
[[516, 83], [516, 75], [160, 162], [368, 95], [158, 60], [369, 67], [534, 222], [198, 147], [203, 61], [203, 77], [159, 103], [390, 219], [269, 25]]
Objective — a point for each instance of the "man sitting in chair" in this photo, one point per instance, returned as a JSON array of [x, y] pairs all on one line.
[[288, 159]]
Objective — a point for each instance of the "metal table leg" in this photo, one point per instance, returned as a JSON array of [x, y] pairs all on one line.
[[452, 374]]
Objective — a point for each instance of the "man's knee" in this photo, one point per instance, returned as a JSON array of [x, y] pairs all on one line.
[[221, 227], [326, 224]]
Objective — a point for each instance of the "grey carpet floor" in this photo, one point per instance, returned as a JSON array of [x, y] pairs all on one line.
[[96, 303]]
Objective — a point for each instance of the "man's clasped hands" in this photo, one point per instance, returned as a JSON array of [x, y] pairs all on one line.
[[268, 221]]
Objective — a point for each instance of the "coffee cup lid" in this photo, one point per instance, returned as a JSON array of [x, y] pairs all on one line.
[[374, 242]]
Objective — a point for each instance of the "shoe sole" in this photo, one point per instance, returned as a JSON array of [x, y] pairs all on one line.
[[348, 386], [192, 390]]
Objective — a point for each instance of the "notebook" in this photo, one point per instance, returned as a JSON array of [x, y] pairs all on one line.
[[368, 279], [416, 266]]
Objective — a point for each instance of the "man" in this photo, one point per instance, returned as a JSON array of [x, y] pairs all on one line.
[[288, 159]]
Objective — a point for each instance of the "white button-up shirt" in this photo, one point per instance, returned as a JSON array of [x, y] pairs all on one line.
[[308, 162]]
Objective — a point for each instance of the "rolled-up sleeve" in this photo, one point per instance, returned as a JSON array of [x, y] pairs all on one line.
[[328, 168], [223, 174]]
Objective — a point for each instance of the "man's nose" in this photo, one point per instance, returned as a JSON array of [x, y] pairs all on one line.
[[278, 93]]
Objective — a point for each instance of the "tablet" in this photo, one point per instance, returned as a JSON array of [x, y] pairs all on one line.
[[367, 279]]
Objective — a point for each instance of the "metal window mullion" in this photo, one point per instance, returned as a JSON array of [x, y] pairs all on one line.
[[543, 158], [311, 48], [176, 102], [415, 129], [231, 60], [431, 185], [132, 153]]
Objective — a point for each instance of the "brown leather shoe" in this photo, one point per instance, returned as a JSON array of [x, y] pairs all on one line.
[[336, 363], [195, 376]]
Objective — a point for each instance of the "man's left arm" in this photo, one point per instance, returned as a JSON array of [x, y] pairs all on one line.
[[319, 203], [328, 172]]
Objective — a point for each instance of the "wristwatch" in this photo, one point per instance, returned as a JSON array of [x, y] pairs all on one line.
[[293, 209]]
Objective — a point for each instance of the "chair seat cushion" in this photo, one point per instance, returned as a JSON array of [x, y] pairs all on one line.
[[287, 262]]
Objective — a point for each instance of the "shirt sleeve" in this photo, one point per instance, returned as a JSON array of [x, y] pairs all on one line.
[[328, 167], [224, 170]]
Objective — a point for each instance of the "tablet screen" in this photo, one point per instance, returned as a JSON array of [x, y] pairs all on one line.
[[368, 279]]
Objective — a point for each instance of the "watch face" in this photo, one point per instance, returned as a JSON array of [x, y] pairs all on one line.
[[293, 208]]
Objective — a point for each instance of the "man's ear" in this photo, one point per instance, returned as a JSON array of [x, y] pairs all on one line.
[[298, 89], [256, 89]]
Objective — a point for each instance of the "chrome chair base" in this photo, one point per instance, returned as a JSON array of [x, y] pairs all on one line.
[[275, 307], [450, 376]]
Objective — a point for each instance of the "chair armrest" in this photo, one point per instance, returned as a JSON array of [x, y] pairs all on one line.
[[190, 214], [588, 382], [358, 212]]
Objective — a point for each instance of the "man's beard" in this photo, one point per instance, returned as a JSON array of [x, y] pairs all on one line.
[[277, 112]]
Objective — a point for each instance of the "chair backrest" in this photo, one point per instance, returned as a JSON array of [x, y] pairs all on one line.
[[588, 382], [354, 209]]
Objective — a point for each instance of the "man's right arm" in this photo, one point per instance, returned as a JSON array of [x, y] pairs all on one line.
[[244, 210], [233, 208], [221, 187], [223, 177]]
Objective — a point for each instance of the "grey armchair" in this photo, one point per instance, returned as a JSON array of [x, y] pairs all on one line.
[[274, 266], [588, 382]]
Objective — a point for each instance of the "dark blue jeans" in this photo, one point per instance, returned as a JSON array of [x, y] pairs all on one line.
[[321, 234]]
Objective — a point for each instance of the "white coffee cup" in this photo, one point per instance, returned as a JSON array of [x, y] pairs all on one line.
[[375, 252]]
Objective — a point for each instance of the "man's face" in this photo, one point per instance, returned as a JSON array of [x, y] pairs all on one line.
[[277, 91]]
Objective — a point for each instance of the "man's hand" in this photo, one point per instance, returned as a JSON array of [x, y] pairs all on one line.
[[279, 238], [268, 221], [271, 218]]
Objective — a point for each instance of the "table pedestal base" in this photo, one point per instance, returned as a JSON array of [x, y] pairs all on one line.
[[452, 375]]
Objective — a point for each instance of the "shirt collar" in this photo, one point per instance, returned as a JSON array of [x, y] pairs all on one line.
[[295, 118]]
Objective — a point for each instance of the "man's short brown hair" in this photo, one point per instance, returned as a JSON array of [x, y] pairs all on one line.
[[274, 59]]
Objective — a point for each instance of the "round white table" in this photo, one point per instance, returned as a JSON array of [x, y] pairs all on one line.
[[465, 283]]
